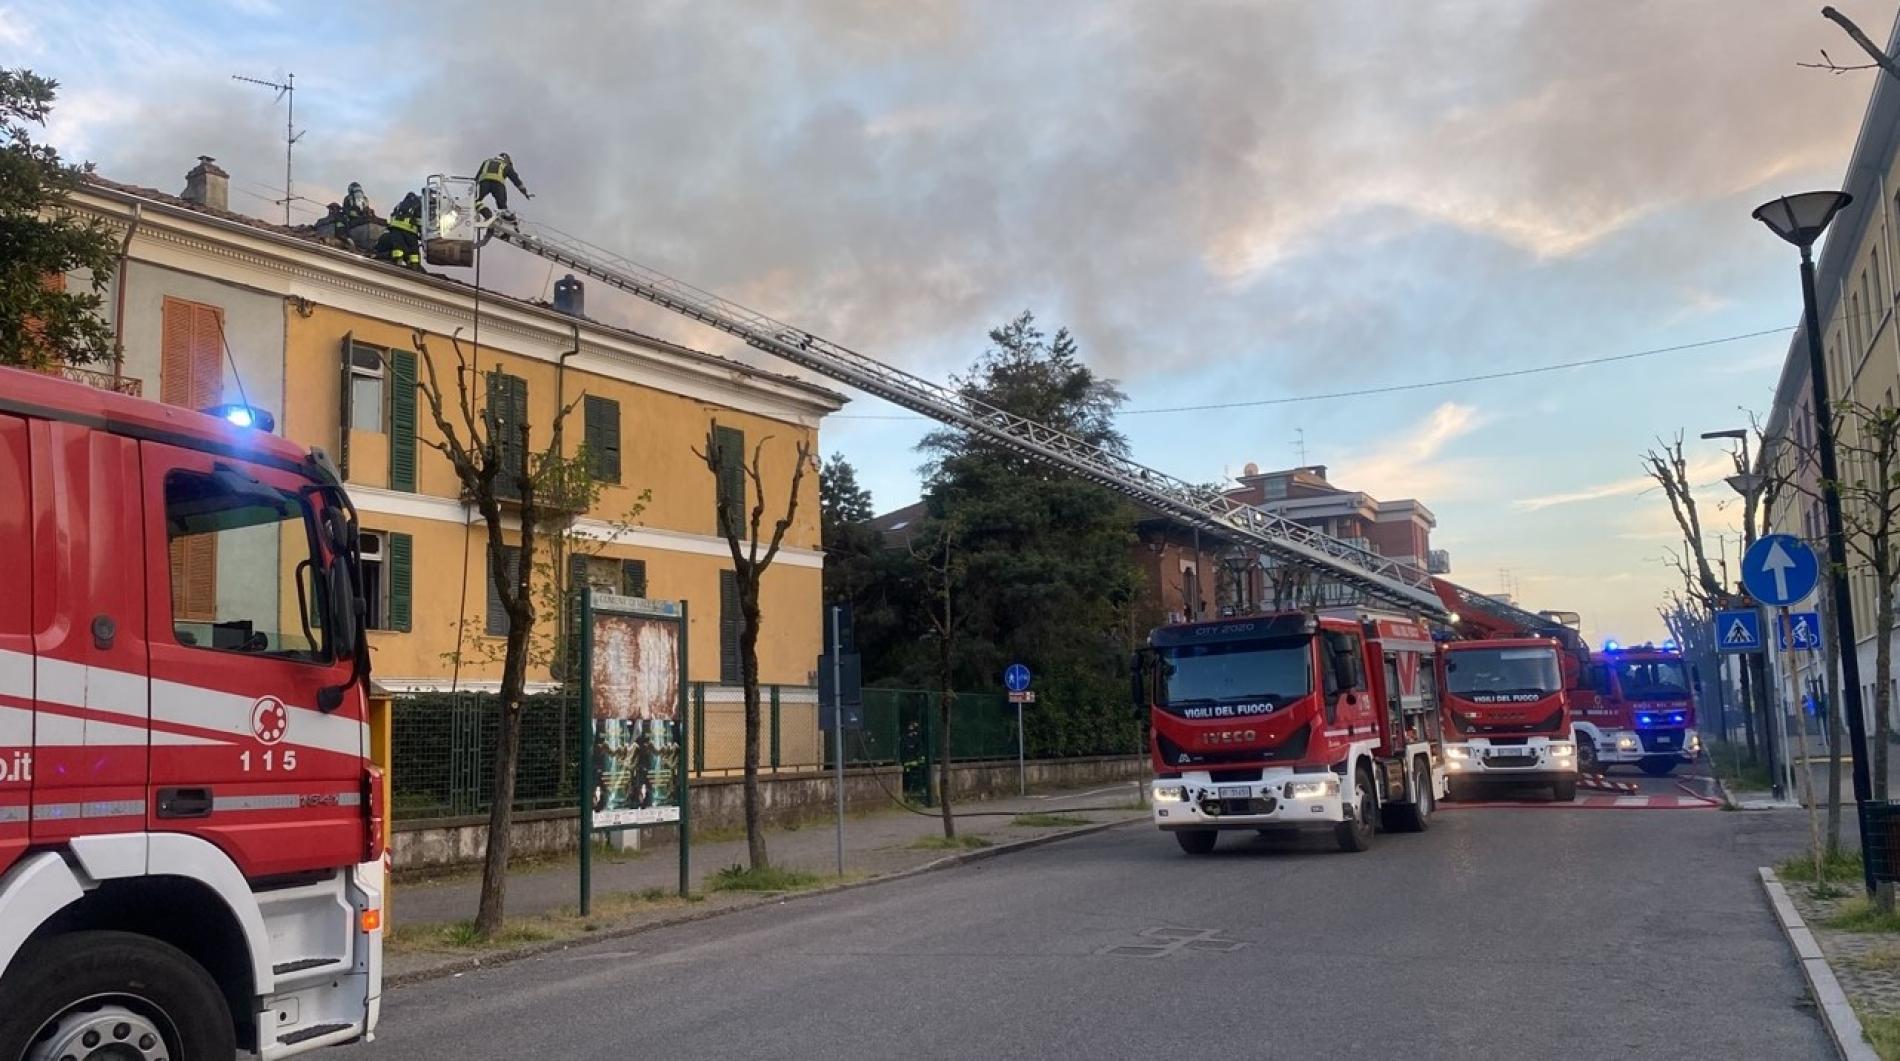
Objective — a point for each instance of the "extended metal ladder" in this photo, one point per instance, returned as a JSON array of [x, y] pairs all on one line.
[[1377, 577]]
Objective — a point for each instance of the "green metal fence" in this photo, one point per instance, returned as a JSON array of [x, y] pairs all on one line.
[[444, 743]]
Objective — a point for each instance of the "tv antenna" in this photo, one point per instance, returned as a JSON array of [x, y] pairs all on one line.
[[286, 91], [1299, 444]]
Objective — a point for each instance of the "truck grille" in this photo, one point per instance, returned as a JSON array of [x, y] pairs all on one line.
[[1662, 740], [1510, 762]]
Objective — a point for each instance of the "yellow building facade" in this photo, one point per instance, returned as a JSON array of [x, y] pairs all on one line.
[[327, 342]]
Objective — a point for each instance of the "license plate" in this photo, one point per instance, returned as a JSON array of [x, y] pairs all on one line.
[[1234, 792], [1665, 740], [1508, 756]]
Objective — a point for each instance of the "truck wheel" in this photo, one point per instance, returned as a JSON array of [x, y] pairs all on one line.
[[1416, 816], [1587, 756], [1356, 834], [1659, 766], [1196, 841], [1564, 791], [112, 995]]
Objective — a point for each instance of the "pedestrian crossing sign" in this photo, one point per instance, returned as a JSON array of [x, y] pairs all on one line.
[[1738, 631]]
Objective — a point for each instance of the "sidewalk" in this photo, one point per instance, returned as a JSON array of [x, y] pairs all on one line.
[[875, 845]]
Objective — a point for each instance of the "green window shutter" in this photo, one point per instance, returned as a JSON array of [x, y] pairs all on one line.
[[399, 566], [402, 420], [603, 439], [507, 411], [496, 621], [633, 578], [730, 621], [571, 644], [730, 442]]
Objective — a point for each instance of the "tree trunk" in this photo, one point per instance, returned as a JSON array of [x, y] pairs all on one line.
[[1830, 660], [944, 699], [489, 913], [749, 675]]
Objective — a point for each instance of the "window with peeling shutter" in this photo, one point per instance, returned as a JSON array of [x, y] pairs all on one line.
[[731, 619], [496, 622], [730, 442], [572, 633], [507, 411], [402, 420], [191, 374], [401, 558], [633, 578], [603, 439]]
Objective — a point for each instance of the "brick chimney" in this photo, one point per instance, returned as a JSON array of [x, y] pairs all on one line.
[[208, 185]]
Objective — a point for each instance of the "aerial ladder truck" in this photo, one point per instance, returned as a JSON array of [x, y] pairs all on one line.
[[1353, 744]]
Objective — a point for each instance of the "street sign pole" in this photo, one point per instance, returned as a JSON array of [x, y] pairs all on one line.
[[837, 724], [1773, 722], [1016, 680], [1022, 769]]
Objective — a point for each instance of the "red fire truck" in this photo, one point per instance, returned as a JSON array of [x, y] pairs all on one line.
[[1644, 710], [1292, 719], [1507, 714], [191, 837]]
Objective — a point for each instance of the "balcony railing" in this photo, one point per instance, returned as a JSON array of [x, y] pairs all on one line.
[[104, 381]]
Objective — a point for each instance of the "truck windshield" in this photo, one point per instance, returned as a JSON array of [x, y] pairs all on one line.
[[241, 564], [1474, 671], [1652, 679], [1235, 671]]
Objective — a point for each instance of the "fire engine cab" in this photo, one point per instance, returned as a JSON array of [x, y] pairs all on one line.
[[191, 837]]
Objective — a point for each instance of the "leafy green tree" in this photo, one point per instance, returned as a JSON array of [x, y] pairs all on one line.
[[41, 241], [1044, 574]]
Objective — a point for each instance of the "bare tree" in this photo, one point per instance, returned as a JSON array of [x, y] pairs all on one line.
[[943, 571], [1869, 441], [749, 567], [488, 440], [1881, 60]]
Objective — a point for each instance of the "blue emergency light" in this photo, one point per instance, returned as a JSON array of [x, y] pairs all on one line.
[[244, 416]]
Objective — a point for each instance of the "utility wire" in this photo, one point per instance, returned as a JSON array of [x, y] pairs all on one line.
[[1396, 387]]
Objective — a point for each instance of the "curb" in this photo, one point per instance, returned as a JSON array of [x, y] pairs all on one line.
[[1837, 1014], [533, 950]]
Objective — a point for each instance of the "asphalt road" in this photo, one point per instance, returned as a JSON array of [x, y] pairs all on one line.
[[1504, 932]]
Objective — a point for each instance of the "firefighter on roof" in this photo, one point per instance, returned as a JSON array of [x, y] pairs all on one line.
[[356, 208], [402, 244], [489, 181]]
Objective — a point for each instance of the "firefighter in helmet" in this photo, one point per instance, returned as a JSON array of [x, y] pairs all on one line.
[[489, 182]]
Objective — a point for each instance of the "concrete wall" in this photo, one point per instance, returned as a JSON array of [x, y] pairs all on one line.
[[718, 806]]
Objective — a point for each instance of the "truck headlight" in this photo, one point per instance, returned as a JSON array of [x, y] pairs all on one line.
[[1563, 751], [1459, 754], [1625, 744], [1312, 789], [1169, 793]]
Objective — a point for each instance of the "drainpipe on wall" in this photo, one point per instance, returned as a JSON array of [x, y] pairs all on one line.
[[118, 297]]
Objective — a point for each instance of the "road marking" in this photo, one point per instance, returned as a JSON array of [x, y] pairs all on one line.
[[1170, 939], [1593, 801], [1123, 787]]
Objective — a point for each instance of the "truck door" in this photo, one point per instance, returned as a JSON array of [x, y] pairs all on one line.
[[16, 643], [1394, 701], [90, 694], [242, 755]]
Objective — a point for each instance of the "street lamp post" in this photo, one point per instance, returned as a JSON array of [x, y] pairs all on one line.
[[1800, 219], [1749, 484]]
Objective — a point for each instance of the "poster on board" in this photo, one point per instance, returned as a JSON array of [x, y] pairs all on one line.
[[635, 681]]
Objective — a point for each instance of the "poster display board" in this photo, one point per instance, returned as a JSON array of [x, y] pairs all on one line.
[[633, 686]]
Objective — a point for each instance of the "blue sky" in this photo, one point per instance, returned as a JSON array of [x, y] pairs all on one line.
[[1225, 201]]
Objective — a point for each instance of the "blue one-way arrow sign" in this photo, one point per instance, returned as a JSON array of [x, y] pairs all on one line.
[[1802, 630], [1738, 631], [1780, 569]]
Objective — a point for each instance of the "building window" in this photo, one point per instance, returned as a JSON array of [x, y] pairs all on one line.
[[731, 621], [730, 514], [1274, 489], [496, 621], [191, 360], [366, 388], [507, 412], [387, 578], [602, 439]]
